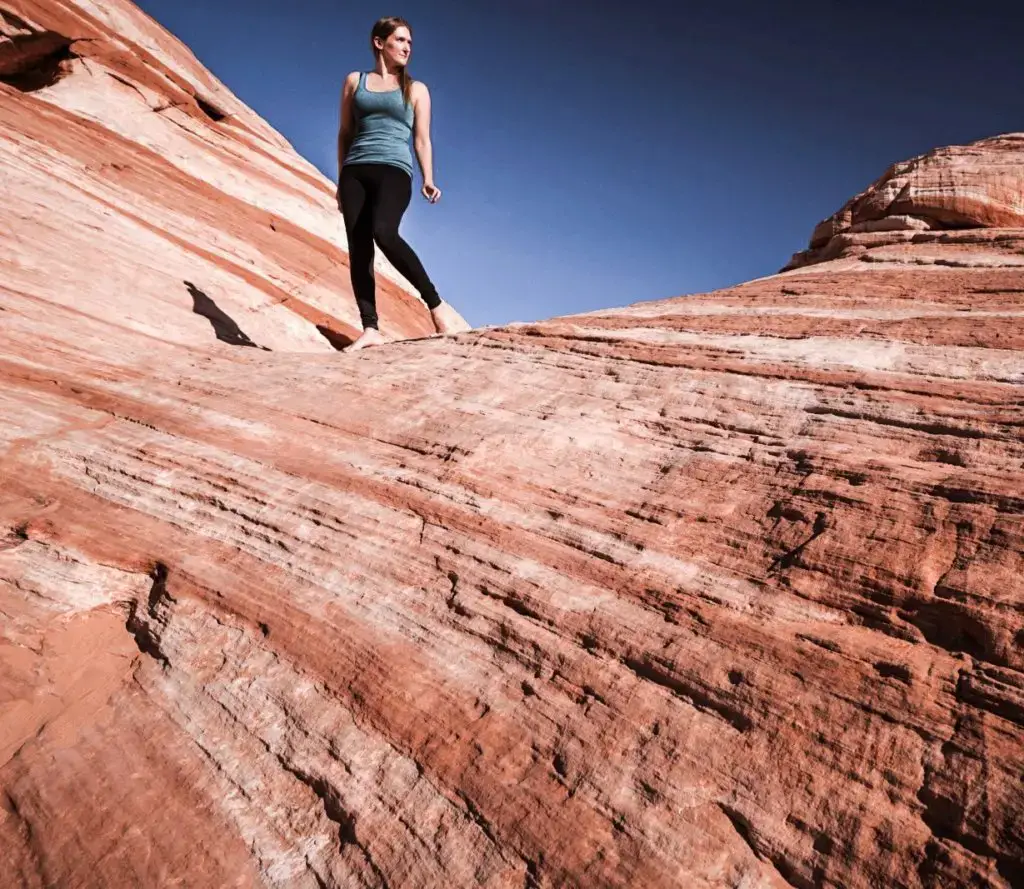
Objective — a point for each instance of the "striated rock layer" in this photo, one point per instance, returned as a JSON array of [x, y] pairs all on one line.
[[722, 591], [129, 170]]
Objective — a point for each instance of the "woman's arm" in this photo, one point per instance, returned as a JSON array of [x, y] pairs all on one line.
[[421, 140], [347, 131]]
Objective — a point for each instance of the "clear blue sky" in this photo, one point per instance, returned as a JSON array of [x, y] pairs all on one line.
[[594, 154]]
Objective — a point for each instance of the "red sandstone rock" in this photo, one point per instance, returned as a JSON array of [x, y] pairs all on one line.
[[722, 591], [976, 186]]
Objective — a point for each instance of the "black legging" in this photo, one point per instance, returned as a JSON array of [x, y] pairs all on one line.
[[373, 198]]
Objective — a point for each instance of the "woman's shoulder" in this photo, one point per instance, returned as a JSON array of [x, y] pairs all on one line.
[[419, 88], [352, 79]]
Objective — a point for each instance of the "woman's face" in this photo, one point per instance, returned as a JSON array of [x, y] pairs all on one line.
[[398, 46]]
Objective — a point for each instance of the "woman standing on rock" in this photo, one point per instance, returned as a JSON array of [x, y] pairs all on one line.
[[380, 110]]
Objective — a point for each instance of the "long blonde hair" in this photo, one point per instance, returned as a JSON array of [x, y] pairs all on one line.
[[384, 28]]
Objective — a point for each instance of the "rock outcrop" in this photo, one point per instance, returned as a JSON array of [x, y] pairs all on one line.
[[722, 591], [964, 195]]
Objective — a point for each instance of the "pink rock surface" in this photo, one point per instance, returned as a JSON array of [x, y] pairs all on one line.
[[722, 591]]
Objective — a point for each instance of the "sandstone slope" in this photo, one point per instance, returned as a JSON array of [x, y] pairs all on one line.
[[722, 591]]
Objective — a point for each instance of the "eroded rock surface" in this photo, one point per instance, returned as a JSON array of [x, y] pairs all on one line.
[[722, 591]]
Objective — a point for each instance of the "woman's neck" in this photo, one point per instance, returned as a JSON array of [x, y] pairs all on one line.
[[382, 70]]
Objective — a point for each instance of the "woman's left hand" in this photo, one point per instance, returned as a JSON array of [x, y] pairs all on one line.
[[431, 192]]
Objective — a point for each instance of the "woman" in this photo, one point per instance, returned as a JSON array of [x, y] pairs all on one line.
[[379, 111]]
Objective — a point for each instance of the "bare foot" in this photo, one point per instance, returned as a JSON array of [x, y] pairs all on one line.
[[447, 320], [369, 337]]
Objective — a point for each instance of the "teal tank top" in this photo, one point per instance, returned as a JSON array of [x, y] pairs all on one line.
[[383, 128]]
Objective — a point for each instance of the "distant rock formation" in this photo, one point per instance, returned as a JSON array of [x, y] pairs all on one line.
[[723, 591], [966, 195]]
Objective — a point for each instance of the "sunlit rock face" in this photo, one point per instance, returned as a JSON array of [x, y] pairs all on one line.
[[719, 591]]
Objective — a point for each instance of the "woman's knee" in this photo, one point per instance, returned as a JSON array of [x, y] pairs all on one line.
[[386, 236]]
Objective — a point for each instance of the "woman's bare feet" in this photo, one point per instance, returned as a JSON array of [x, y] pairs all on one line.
[[447, 320], [369, 337]]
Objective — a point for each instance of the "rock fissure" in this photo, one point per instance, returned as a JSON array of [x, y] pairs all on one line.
[[744, 830], [145, 622], [332, 804], [700, 699]]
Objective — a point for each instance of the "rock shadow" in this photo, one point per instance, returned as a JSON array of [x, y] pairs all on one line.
[[32, 62], [338, 340], [224, 326]]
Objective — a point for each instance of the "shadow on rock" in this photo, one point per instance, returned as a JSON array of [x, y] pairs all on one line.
[[31, 62], [336, 339], [224, 325]]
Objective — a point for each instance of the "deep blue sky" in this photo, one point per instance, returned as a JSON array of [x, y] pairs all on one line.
[[594, 154]]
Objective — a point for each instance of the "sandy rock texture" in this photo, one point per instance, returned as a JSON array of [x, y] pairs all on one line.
[[720, 591], [128, 169]]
